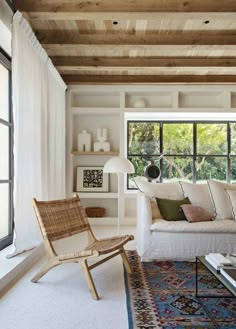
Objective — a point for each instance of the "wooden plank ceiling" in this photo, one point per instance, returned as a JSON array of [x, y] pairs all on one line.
[[137, 41]]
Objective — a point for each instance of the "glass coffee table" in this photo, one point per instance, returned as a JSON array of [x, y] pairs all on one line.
[[226, 284]]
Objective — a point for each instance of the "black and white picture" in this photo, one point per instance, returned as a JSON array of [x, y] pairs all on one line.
[[91, 179]]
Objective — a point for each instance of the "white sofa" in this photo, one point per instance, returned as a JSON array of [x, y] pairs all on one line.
[[158, 239]]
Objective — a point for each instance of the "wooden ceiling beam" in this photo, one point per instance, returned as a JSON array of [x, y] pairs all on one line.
[[126, 28], [132, 15], [69, 62], [163, 38], [126, 5], [123, 79], [140, 50]]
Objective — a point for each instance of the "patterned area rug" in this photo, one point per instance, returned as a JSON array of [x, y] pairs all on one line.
[[162, 295]]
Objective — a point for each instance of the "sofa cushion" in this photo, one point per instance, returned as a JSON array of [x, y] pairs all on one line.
[[196, 214], [171, 210], [155, 209], [215, 226], [220, 199], [198, 195], [160, 190], [232, 199]]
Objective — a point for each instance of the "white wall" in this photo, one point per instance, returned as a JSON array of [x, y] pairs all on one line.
[[113, 105]]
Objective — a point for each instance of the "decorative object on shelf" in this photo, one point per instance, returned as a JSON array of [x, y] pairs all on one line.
[[102, 144], [95, 211], [118, 165], [84, 141], [152, 171], [91, 179], [140, 102]]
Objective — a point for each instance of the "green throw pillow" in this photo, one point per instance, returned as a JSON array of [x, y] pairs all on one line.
[[171, 210]]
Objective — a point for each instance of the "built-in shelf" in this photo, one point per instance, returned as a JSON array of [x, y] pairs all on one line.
[[95, 99], [131, 195], [95, 110], [149, 99], [98, 195], [145, 109], [94, 153], [127, 220], [233, 100], [202, 99], [102, 220]]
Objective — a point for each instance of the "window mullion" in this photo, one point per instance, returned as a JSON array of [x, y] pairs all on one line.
[[6, 123], [161, 150], [228, 165], [5, 60], [194, 151], [5, 181], [7, 237]]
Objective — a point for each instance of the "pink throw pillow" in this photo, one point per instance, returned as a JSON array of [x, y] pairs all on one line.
[[196, 214]]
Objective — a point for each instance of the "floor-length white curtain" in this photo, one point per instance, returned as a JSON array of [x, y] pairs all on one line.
[[39, 131], [56, 137]]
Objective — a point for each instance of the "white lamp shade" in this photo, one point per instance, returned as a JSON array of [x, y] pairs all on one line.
[[118, 165]]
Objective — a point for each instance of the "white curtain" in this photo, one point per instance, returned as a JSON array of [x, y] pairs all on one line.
[[39, 131]]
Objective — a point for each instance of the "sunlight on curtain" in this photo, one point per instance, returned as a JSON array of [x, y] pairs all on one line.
[[39, 131]]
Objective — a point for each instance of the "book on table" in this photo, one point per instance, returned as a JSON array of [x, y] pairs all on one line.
[[217, 260], [229, 274]]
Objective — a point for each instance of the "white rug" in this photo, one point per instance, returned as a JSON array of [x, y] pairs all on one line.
[[61, 299]]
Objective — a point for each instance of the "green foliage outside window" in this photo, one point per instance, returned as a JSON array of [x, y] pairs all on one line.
[[212, 138], [144, 138], [193, 151], [177, 138]]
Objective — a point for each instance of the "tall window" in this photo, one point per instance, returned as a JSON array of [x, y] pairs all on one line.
[[6, 158], [192, 151]]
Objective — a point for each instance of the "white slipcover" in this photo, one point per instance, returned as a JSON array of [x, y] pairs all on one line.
[[179, 243]]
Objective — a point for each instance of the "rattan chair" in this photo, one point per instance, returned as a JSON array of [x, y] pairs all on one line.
[[63, 218]]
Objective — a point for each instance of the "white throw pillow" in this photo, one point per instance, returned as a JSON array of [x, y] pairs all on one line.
[[198, 195], [160, 190], [220, 199], [232, 199]]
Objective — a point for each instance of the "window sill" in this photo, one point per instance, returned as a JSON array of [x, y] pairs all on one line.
[[11, 270]]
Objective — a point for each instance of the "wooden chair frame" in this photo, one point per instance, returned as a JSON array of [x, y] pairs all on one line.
[[63, 218]]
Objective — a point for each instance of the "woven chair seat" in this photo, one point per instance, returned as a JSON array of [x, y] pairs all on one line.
[[77, 254], [104, 246]]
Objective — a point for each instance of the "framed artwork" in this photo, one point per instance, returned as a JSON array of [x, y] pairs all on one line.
[[91, 179]]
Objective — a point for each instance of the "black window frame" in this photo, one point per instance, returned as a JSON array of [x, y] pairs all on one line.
[[5, 60], [228, 156]]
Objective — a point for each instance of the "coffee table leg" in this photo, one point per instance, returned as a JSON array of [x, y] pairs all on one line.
[[196, 277], [199, 299], [208, 313]]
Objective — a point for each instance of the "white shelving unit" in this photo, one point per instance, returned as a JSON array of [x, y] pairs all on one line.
[[104, 106], [90, 110]]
